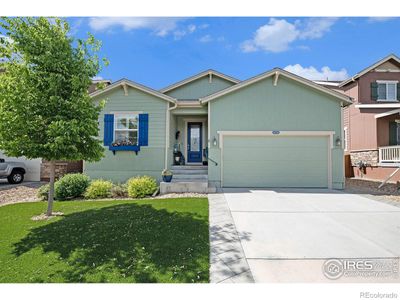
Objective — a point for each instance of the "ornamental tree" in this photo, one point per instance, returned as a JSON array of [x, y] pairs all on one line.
[[45, 108]]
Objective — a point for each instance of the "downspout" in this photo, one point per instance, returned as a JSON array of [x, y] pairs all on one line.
[[342, 138], [167, 132]]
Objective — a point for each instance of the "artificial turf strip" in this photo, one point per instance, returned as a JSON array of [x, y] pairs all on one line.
[[106, 241]]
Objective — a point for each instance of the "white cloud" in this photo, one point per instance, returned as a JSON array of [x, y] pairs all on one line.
[[274, 37], [303, 47], [380, 19], [279, 34], [160, 26], [314, 74], [315, 28], [206, 39], [97, 78], [180, 33], [191, 28]]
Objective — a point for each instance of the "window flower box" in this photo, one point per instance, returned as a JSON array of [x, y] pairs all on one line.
[[134, 148]]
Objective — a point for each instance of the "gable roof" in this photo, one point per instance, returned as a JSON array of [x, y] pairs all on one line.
[[135, 85], [277, 72], [366, 70], [197, 76]]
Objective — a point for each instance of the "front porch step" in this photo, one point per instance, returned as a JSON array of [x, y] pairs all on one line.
[[189, 171], [183, 187], [189, 167], [189, 177]]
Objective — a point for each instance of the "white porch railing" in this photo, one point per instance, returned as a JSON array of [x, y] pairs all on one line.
[[390, 154]]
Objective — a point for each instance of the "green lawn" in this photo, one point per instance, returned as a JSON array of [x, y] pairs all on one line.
[[106, 241]]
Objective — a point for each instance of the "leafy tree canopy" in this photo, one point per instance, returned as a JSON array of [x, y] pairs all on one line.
[[45, 109]]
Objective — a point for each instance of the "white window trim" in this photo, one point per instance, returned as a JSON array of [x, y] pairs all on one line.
[[346, 140], [395, 90], [126, 114]]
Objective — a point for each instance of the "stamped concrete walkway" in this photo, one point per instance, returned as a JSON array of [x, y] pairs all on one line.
[[227, 259]]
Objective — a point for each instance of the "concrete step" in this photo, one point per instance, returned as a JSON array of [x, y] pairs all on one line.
[[183, 187], [189, 171], [189, 167], [189, 177]]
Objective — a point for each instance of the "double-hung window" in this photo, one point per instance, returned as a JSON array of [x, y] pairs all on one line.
[[126, 128], [387, 90]]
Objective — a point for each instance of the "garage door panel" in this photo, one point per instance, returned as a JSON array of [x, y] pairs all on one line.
[[276, 181], [272, 166], [274, 141], [253, 154], [276, 161]]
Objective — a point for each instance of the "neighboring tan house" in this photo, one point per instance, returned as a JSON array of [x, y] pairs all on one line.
[[372, 123], [273, 130]]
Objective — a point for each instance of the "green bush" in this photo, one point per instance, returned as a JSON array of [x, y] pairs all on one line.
[[71, 186], [139, 187], [43, 192], [119, 190], [99, 188]]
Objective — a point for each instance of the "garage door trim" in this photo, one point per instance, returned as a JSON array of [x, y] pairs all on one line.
[[272, 133]]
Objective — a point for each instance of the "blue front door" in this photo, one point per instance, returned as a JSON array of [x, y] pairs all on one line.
[[194, 147]]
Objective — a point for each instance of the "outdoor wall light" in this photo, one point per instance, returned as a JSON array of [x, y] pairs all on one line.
[[215, 141], [338, 142]]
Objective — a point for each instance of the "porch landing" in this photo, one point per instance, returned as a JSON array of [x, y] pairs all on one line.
[[187, 179]]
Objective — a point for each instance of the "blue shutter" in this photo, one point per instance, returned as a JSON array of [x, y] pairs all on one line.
[[143, 129], [108, 129]]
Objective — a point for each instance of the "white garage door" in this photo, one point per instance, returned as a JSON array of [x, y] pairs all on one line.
[[275, 161]]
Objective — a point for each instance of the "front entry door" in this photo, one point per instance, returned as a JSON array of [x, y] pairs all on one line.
[[194, 147]]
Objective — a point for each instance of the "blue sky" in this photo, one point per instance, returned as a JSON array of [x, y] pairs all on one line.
[[159, 51]]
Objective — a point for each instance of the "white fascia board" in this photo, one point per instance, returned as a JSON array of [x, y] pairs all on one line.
[[272, 72], [126, 82], [366, 70], [388, 113], [391, 105], [197, 76]]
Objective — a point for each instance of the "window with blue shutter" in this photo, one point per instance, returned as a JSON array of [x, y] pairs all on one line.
[[143, 129], [108, 129], [124, 136]]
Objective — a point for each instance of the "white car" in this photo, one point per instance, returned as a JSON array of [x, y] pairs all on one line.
[[12, 170]]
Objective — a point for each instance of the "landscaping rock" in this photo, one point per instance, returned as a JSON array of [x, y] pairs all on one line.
[[390, 191], [25, 192]]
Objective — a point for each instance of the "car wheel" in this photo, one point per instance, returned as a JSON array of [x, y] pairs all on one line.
[[15, 177]]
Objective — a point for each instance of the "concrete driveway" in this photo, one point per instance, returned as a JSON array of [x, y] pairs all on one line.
[[287, 235]]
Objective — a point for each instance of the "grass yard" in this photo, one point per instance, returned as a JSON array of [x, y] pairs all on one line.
[[106, 241]]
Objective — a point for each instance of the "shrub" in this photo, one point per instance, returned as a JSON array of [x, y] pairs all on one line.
[[139, 187], [71, 186], [119, 190], [99, 189], [43, 192]]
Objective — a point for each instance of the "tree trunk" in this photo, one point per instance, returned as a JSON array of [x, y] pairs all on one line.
[[51, 190]]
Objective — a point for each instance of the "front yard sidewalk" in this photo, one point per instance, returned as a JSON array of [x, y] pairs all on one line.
[[228, 263]]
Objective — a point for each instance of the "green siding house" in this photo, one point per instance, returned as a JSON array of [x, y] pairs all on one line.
[[273, 130]]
